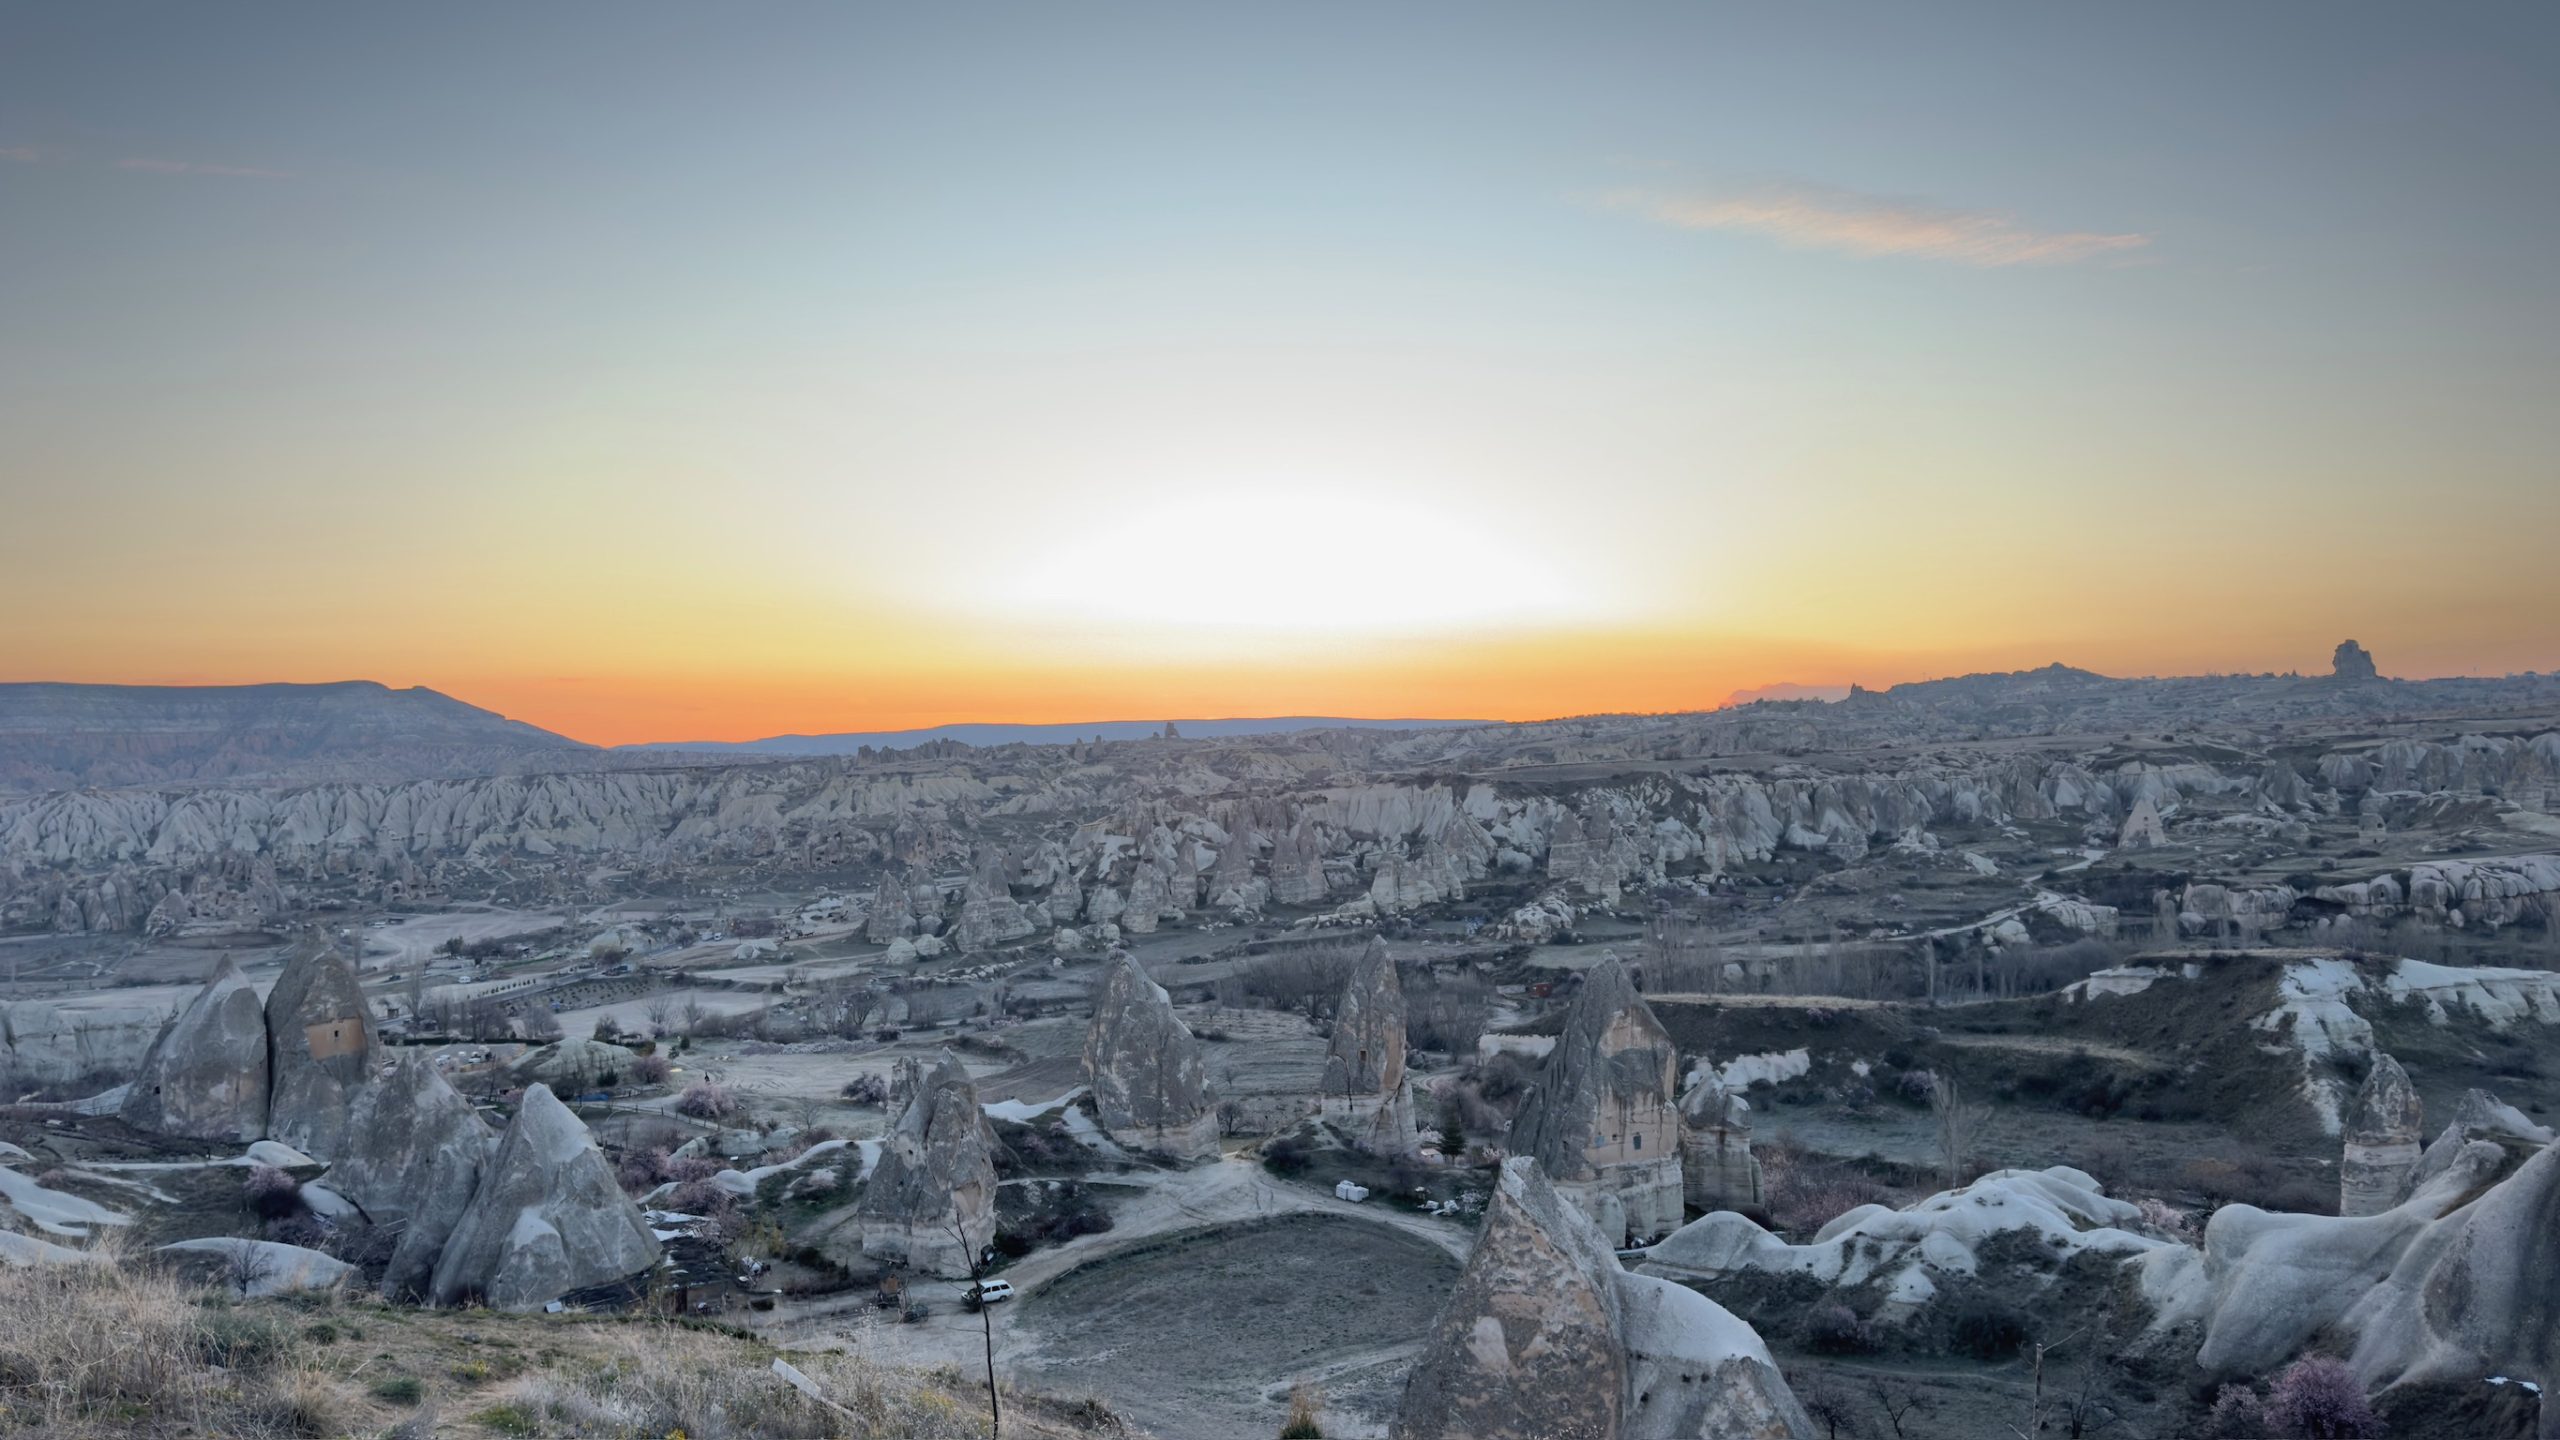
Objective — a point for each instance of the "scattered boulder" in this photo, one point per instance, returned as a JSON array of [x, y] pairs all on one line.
[[1601, 1118], [931, 1200], [547, 1218], [205, 1078], [1149, 1079]]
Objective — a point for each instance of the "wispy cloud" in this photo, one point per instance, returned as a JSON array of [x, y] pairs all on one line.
[[1853, 224], [190, 167], [23, 154]]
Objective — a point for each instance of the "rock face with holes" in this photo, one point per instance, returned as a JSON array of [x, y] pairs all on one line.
[[414, 1157], [547, 1218], [1366, 1091], [321, 1049], [2384, 1131], [1149, 1079], [205, 1077], [931, 1203], [1545, 1338], [1601, 1118]]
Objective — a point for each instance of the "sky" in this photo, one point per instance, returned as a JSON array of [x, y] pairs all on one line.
[[656, 372]]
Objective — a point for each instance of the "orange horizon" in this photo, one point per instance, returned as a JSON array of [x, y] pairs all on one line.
[[1507, 680]]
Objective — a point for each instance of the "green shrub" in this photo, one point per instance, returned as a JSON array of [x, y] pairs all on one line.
[[399, 1390]]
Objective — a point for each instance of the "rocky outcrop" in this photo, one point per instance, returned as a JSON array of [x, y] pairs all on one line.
[[930, 1204], [1297, 868], [205, 1078], [1717, 1169], [1366, 1091], [2351, 661], [2384, 1129], [2142, 829], [320, 1047], [1545, 1338], [546, 1219], [1150, 1081], [988, 918], [1601, 1118], [2263, 1285], [889, 917], [2478, 1292], [414, 1157]]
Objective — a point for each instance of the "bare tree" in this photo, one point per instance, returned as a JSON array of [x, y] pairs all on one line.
[[986, 1321], [1680, 957], [1828, 1406], [1961, 1126], [692, 1012], [1900, 1403], [661, 1007], [246, 1266]]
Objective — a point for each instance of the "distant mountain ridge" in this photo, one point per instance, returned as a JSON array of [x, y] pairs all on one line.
[[997, 733], [66, 736]]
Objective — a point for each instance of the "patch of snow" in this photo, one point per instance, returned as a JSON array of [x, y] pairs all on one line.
[[1904, 1249], [2498, 996], [52, 1211], [277, 1154], [1022, 1112], [1769, 1069]]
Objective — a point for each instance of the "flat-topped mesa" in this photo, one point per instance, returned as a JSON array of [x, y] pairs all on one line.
[[1366, 1091], [2384, 1132], [1602, 1118], [1149, 1079], [546, 1219], [931, 1203], [414, 1156], [1545, 1338], [205, 1077], [321, 1049], [1717, 1169]]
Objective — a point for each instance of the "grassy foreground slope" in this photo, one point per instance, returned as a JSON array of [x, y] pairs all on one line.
[[130, 1350]]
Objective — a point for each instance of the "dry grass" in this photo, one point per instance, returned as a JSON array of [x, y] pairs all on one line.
[[131, 1350], [122, 1348]]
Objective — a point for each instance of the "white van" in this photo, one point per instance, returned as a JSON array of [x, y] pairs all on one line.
[[991, 1291]]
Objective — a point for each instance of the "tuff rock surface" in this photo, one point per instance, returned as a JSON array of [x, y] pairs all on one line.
[[1150, 1081], [1366, 1090], [320, 1046], [414, 1157], [930, 1203], [205, 1077], [546, 1219], [1545, 1338], [2384, 1129], [1601, 1118]]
